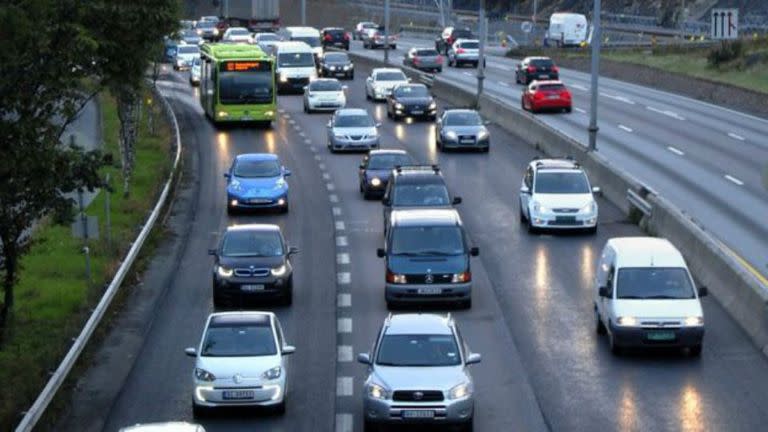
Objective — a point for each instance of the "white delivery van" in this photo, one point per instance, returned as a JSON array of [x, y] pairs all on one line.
[[308, 35], [295, 66], [645, 296], [567, 29]]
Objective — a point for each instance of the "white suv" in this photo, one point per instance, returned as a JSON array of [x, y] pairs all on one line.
[[645, 296], [380, 83], [556, 194]]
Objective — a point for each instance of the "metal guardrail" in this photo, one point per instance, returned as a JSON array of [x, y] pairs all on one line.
[[638, 202], [32, 416]]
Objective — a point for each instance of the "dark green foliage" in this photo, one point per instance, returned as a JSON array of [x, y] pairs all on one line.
[[726, 52]]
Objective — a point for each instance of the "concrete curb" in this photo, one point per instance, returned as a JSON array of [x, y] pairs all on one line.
[[732, 285]]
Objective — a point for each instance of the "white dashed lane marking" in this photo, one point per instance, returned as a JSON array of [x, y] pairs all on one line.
[[625, 128], [344, 353], [326, 176], [344, 300], [344, 325], [330, 186], [734, 180], [736, 136], [344, 422], [667, 113], [617, 98], [336, 211], [503, 84], [579, 87], [579, 110], [342, 258], [344, 386], [341, 241], [676, 151], [340, 226], [343, 278], [333, 198]]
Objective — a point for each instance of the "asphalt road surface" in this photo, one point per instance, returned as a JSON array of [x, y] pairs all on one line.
[[543, 368], [708, 160]]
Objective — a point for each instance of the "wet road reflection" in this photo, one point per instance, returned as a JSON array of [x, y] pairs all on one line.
[[691, 415], [627, 420]]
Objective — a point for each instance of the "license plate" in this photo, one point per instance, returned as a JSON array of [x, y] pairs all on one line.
[[430, 291], [418, 414], [543, 76], [417, 112], [660, 335], [251, 288], [246, 118], [553, 97], [339, 44], [238, 394], [467, 141]]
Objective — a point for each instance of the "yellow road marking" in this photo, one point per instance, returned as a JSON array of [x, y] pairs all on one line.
[[747, 265]]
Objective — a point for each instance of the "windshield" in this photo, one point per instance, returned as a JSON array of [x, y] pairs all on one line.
[[390, 76], [239, 32], [246, 87], [313, 41], [252, 244], [336, 58], [305, 59], [462, 119], [239, 341], [420, 195], [412, 91], [357, 120], [561, 183], [325, 86], [541, 63], [427, 53], [470, 45], [267, 37], [389, 161], [427, 240], [369, 25], [257, 168], [189, 49], [418, 350], [654, 283], [206, 25]]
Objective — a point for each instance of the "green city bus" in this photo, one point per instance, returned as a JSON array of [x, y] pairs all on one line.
[[237, 84]]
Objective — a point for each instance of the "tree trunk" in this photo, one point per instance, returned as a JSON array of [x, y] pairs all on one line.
[[127, 111], [10, 265]]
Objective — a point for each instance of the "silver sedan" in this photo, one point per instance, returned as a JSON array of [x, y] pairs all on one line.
[[352, 129], [462, 128]]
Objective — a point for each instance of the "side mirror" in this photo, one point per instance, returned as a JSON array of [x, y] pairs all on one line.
[[362, 166], [474, 251], [286, 172], [305, 88], [456, 200], [369, 79], [378, 125], [380, 252], [289, 349], [329, 125], [293, 250], [703, 291], [525, 190], [190, 352], [344, 87], [409, 80], [364, 358], [474, 358], [603, 292], [212, 252], [596, 190], [227, 175], [386, 202], [486, 122]]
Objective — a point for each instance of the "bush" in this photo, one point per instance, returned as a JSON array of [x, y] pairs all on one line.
[[726, 52]]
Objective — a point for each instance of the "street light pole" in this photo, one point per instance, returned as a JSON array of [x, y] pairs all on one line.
[[481, 60], [386, 31], [303, 12], [596, 40]]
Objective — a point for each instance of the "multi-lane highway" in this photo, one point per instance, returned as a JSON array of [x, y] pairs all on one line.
[[708, 160], [543, 366]]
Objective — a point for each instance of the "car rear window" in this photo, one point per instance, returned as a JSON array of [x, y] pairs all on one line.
[[189, 49], [325, 86], [542, 63], [427, 53], [420, 195], [470, 45], [336, 58], [335, 32], [551, 87]]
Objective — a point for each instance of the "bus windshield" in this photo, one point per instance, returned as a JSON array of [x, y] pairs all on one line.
[[246, 87]]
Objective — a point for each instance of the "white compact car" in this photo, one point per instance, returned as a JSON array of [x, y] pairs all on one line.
[[240, 362], [645, 296], [325, 94], [237, 35], [195, 71], [185, 56], [380, 83], [555, 194]]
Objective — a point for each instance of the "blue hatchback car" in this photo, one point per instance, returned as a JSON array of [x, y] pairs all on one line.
[[257, 181]]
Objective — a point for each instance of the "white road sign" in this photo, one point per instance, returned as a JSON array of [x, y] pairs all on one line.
[[526, 26], [725, 24]]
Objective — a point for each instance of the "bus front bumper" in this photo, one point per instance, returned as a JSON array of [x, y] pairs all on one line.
[[244, 115]]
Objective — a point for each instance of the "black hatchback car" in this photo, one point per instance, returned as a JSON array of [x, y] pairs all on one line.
[[252, 261], [336, 64], [536, 69], [335, 37], [376, 168], [411, 100]]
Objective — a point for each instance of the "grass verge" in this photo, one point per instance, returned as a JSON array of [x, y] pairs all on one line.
[[53, 299]]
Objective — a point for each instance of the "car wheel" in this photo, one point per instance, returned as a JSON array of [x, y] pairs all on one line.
[[695, 351], [522, 216], [369, 426], [522, 104], [199, 411], [568, 110], [367, 96], [306, 110], [531, 228], [218, 300], [280, 408], [469, 426], [352, 76], [615, 348], [599, 326], [389, 113], [592, 230], [486, 149], [285, 208], [440, 146], [288, 295], [466, 304]]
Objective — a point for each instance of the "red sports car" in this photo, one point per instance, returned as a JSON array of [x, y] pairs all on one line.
[[546, 95]]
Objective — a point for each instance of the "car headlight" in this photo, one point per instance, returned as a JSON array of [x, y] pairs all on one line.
[[461, 277], [223, 114], [204, 375], [626, 321], [333, 68], [347, 67], [279, 271], [451, 135], [399, 106], [339, 136], [377, 392], [694, 321], [273, 373], [224, 271], [283, 77], [312, 75], [199, 32], [460, 391], [375, 182], [589, 208], [538, 208], [483, 134], [216, 31], [432, 105]]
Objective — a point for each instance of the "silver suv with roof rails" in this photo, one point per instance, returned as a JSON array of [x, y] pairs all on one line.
[[556, 194], [418, 374], [427, 258]]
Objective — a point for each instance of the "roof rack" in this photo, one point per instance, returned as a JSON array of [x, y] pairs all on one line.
[[564, 162], [417, 168]]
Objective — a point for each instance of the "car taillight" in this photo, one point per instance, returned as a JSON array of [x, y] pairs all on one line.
[[346, 36], [460, 51], [416, 60], [327, 37], [555, 69], [449, 40], [531, 69], [565, 94], [538, 95], [439, 59]]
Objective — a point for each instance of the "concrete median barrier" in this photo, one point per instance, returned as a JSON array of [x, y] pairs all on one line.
[[740, 291]]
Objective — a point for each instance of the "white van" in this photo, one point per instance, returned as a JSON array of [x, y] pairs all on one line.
[[567, 29], [295, 66], [308, 35], [645, 296]]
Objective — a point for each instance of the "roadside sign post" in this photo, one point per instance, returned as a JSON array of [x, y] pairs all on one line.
[[724, 24], [303, 12], [596, 39], [526, 27], [481, 61], [386, 31]]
